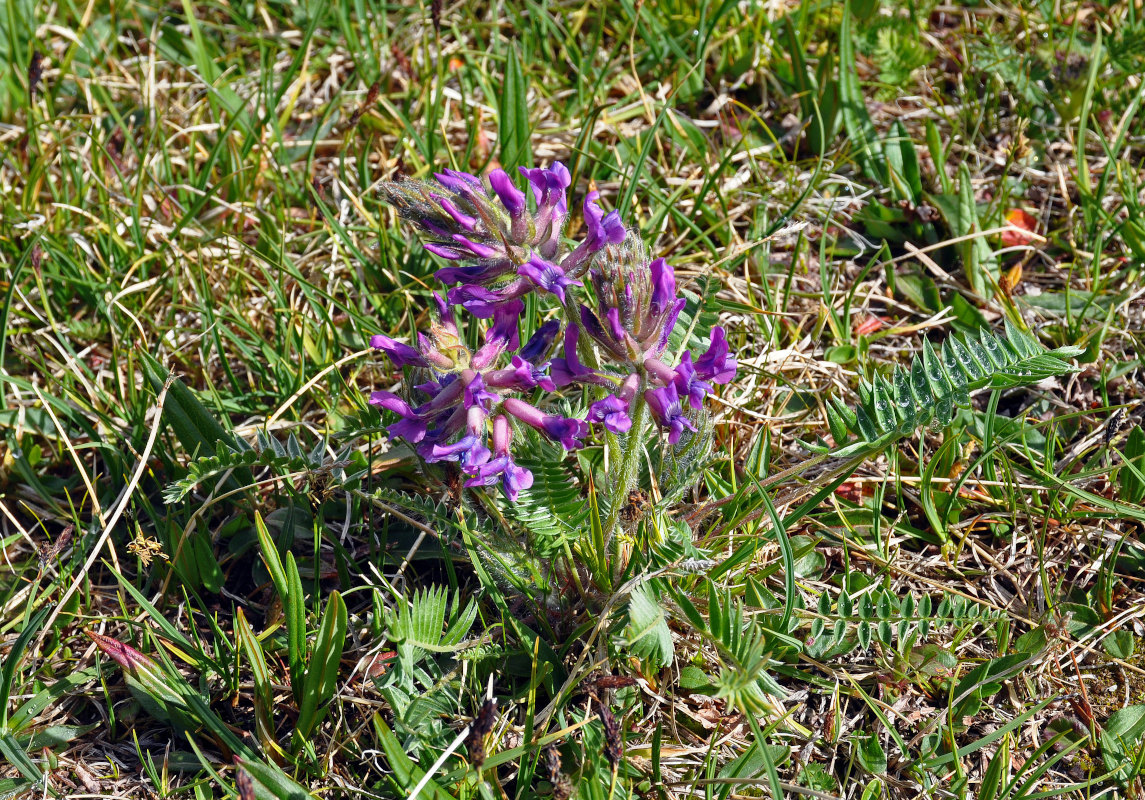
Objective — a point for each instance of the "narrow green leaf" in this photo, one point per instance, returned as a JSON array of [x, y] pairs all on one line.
[[513, 131], [322, 672], [13, 658], [251, 648], [856, 118], [295, 607], [14, 754]]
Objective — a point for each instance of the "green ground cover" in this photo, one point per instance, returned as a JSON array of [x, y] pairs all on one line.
[[222, 579]]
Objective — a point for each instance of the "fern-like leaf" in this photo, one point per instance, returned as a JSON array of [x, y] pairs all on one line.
[[647, 633], [435, 513], [937, 382], [553, 510], [416, 626], [270, 452]]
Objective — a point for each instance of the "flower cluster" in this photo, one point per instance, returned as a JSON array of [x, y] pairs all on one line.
[[463, 404]]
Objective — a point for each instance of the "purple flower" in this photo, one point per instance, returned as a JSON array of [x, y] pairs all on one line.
[[411, 428], [514, 478], [669, 325], [463, 218], [568, 369], [432, 354], [548, 184], [636, 304], [510, 196], [667, 411], [501, 335], [522, 376], [470, 449], [602, 230], [467, 450], [476, 394], [476, 248], [547, 276], [715, 365], [400, 354], [548, 187], [446, 321], [663, 287], [688, 384], [446, 250], [458, 181], [504, 327], [483, 303], [504, 247], [541, 340], [568, 432], [612, 412], [466, 221], [483, 274], [614, 326]]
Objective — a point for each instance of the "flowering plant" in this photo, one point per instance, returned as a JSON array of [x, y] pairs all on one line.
[[611, 311]]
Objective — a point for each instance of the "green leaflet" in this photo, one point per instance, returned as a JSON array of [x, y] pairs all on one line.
[[937, 382], [552, 509], [269, 452], [416, 627], [647, 630]]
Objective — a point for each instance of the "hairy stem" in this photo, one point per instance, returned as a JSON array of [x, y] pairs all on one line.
[[627, 467]]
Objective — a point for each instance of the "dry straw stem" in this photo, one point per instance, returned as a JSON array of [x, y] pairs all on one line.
[[116, 512]]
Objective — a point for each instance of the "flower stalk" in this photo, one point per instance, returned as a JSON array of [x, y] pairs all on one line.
[[629, 462]]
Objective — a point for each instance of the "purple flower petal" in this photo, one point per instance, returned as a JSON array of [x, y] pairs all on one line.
[[487, 474], [511, 197], [431, 355], [477, 300], [612, 412], [568, 369], [458, 181], [411, 427], [400, 354], [603, 229], [614, 326], [547, 276], [688, 384], [715, 365], [483, 303], [484, 273], [669, 324], [460, 217], [548, 185], [541, 340], [445, 314], [504, 327], [514, 480], [453, 452], [476, 248], [592, 326], [663, 287], [446, 251], [666, 410], [531, 376], [477, 395], [568, 432]]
